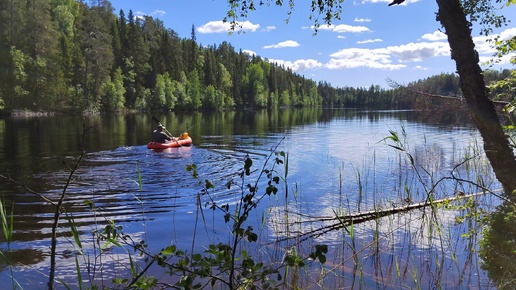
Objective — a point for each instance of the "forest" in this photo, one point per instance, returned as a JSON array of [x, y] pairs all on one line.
[[70, 56]]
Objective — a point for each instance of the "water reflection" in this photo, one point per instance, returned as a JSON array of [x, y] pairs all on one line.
[[337, 162], [498, 247], [19, 257]]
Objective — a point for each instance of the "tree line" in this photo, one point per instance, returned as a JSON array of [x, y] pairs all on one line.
[[67, 55], [70, 55]]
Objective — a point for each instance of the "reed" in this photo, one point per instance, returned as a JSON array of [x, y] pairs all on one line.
[[7, 228]]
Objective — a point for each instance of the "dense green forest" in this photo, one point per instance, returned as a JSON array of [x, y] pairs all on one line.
[[67, 55]]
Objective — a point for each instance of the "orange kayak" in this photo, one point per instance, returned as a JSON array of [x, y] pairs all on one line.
[[179, 142]]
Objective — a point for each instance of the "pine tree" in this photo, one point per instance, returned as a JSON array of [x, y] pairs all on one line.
[[41, 45]]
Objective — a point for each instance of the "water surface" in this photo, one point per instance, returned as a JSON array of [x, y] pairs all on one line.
[[338, 160]]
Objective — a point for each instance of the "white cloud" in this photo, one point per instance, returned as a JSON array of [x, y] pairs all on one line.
[[361, 57], [414, 52], [269, 28], [369, 41], [140, 15], [435, 36], [390, 58], [343, 28], [222, 27], [396, 57], [250, 52], [508, 34], [418, 67], [506, 59], [486, 50], [299, 65], [288, 43], [159, 12], [362, 20], [483, 46]]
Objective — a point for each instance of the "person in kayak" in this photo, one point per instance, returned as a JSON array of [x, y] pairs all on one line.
[[160, 135]]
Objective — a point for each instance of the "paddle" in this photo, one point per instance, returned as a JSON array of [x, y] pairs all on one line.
[[155, 119]]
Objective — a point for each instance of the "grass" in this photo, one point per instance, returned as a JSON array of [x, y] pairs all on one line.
[[7, 229]]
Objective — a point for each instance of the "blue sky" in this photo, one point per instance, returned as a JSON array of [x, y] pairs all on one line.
[[370, 44]]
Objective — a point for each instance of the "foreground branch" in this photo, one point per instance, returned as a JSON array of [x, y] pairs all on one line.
[[57, 215]]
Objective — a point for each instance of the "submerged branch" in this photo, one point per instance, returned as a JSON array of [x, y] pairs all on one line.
[[343, 221]]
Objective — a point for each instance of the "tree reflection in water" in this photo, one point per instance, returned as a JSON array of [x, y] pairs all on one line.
[[498, 247]]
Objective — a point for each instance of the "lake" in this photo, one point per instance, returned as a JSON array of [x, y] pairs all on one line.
[[338, 161]]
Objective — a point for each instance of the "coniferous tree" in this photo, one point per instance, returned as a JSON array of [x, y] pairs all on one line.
[[65, 14], [192, 51], [122, 47], [194, 89], [97, 50], [151, 32], [209, 68], [11, 19], [139, 54], [86, 44], [41, 45], [176, 62]]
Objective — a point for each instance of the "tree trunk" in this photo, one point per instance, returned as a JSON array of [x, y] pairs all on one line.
[[496, 144]]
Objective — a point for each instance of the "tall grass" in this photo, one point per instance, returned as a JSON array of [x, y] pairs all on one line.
[[7, 228]]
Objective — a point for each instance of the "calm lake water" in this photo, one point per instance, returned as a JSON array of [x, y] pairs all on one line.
[[338, 161]]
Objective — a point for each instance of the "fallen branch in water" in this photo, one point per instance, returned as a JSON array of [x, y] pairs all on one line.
[[342, 221], [460, 98]]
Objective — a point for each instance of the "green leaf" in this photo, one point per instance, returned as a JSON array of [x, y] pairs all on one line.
[[169, 250]]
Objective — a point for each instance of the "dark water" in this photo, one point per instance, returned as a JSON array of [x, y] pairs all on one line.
[[336, 161]]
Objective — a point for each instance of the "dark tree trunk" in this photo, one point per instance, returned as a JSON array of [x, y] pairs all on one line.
[[496, 144]]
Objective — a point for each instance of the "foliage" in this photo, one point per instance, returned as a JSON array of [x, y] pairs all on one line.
[[99, 61], [228, 264], [112, 92], [225, 263], [325, 10], [484, 13], [83, 47], [505, 88]]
